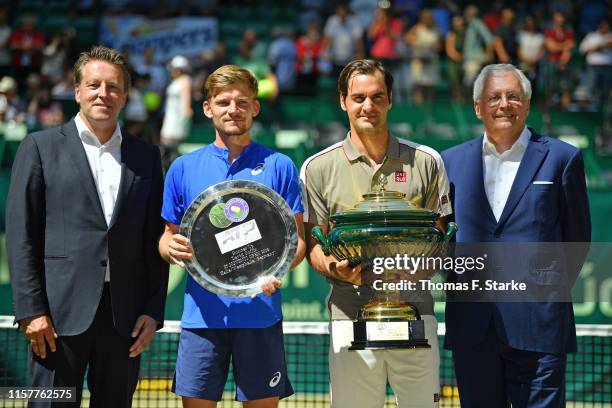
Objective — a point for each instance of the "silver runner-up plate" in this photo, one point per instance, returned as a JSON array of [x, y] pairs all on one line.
[[240, 231]]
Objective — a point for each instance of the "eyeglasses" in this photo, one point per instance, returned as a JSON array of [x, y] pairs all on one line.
[[511, 98]]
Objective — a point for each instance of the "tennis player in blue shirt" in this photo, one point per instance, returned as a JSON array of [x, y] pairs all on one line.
[[214, 327]]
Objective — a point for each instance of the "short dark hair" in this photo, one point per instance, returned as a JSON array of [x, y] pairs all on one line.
[[100, 53], [363, 67]]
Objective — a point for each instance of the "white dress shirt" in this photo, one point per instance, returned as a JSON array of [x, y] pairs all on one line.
[[105, 164], [602, 56], [499, 170]]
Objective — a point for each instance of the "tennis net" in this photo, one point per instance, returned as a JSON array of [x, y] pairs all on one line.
[[589, 371]]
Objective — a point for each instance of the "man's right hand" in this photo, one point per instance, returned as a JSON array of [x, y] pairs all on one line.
[[174, 247], [328, 265], [342, 271], [38, 330], [179, 249]]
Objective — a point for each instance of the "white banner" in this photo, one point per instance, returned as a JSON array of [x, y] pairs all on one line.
[[187, 36]]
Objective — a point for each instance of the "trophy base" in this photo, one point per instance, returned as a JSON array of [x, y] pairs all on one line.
[[398, 334]]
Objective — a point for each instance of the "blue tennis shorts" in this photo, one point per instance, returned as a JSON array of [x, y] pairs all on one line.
[[258, 362]]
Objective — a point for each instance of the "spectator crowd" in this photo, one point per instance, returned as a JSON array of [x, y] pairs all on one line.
[[564, 47]]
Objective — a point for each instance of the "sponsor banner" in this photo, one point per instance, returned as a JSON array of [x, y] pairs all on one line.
[[187, 36]]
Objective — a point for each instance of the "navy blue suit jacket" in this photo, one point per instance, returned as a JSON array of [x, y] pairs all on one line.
[[557, 212]]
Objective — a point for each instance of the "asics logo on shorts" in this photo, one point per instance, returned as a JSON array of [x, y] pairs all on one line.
[[275, 379]]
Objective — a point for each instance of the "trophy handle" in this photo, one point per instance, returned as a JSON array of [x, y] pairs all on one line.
[[318, 234], [451, 229]]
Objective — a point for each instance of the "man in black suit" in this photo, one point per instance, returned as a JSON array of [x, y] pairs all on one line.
[[83, 221]]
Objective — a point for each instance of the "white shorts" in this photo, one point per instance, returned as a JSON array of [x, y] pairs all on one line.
[[359, 378]]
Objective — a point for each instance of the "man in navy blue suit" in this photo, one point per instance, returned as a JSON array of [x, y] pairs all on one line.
[[512, 185]]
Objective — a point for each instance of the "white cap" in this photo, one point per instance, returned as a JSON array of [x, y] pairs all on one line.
[[179, 62], [8, 84]]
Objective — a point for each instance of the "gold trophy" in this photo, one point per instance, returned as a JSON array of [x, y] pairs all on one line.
[[383, 224]]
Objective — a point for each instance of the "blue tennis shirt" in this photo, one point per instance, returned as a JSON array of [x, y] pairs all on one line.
[[193, 173]]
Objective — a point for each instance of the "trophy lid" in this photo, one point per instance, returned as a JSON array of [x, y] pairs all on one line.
[[382, 205]]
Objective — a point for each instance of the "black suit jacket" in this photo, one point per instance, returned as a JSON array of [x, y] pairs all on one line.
[[58, 240]]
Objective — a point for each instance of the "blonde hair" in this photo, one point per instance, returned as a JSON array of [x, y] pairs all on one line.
[[229, 75], [100, 53]]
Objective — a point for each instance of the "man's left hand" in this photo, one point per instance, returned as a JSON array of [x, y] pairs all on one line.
[[269, 284], [144, 330]]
